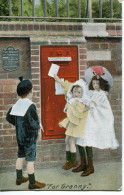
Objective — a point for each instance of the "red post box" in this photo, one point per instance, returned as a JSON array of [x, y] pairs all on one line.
[[52, 104]]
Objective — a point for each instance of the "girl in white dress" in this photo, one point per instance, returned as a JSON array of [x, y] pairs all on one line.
[[99, 128]]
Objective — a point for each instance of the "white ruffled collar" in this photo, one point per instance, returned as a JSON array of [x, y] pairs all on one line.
[[84, 87], [21, 106]]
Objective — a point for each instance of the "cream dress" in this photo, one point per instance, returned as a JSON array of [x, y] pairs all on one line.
[[76, 119]]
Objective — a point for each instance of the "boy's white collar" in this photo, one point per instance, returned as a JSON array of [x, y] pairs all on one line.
[[21, 106]]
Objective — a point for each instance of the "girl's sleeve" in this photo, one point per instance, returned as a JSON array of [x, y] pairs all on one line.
[[10, 118], [66, 85], [78, 108]]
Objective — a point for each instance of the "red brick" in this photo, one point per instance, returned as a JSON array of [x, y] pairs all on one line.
[[81, 73], [6, 95], [9, 81], [9, 88], [1, 126], [110, 26], [95, 46], [35, 52], [14, 137], [119, 32], [9, 144], [83, 62], [35, 70], [118, 27], [36, 94], [12, 27], [35, 76], [83, 56], [7, 126], [116, 102], [30, 27], [24, 27], [111, 32], [9, 153], [114, 96], [82, 68], [35, 64], [1, 114], [18, 27], [35, 82], [7, 132], [82, 46], [116, 107], [117, 113], [113, 45], [35, 58], [4, 107], [7, 138], [8, 101], [46, 158], [83, 51], [1, 88], [36, 88], [2, 120], [34, 46], [36, 27], [1, 101], [54, 158], [104, 46], [34, 99], [5, 27]]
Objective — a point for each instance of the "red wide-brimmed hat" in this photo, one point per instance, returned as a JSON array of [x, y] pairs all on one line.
[[100, 72]]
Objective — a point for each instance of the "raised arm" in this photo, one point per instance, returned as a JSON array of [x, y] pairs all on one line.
[[58, 79]]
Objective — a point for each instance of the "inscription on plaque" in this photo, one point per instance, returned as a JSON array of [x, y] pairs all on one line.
[[10, 58]]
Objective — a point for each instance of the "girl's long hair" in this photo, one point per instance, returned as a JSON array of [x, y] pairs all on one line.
[[103, 84]]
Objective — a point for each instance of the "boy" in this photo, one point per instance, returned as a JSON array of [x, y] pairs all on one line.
[[23, 116]]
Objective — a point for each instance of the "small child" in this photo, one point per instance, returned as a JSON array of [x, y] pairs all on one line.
[[99, 128], [23, 116], [76, 117]]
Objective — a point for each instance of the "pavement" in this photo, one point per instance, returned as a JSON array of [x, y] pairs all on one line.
[[107, 177]]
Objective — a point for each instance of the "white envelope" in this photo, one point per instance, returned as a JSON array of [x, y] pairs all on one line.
[[53, 70]]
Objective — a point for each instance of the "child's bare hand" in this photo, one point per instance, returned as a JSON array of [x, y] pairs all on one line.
[[42, 129], [57, 79]]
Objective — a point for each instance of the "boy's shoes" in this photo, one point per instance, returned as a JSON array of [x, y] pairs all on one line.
[[70, 165], [22, 180], [36, 185], [65, 165]]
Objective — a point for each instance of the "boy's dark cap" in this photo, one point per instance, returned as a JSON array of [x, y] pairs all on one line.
[[24, 86]]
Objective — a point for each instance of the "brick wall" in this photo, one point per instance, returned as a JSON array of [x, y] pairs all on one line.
[[52, 152], [114, 64], [8, 144]]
